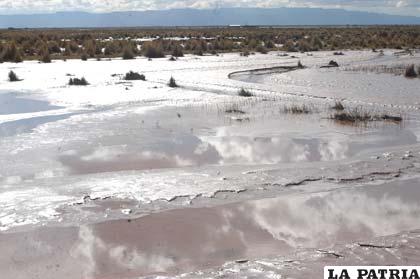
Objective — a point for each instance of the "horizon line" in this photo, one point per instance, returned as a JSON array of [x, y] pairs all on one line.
[[203, 9]]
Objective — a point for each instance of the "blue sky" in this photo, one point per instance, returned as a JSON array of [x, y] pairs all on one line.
[[401, 7]]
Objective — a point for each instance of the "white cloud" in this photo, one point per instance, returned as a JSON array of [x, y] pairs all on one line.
[[404, 7]]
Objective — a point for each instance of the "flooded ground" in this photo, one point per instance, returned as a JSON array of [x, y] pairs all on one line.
[[159, 243], [138, 179]]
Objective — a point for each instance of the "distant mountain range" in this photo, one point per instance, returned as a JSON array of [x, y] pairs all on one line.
[[194, 17]]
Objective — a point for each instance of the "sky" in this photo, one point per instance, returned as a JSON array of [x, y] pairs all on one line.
[[398, 7]]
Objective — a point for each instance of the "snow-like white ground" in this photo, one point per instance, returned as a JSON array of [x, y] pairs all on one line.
[[67, 150]]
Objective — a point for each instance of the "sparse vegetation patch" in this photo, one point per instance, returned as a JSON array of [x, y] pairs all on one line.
[[172, 83], [245, 93], [235, 111], [410, 72], [338, 106], [78, 81], [357, 115], [297, 109], [331, 64], [10, 53], [134, 76], [13, 77], [127, 53], [300, 65]]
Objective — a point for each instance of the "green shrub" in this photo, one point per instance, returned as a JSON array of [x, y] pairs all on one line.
[[177, 52], [300, 65], [84, 56], [356, 115], [11, 54], [296, 109], [153, 51], [198, 52], [45, 55], [172, 83], [13, 76], [127, 54], [245, 93], [78, 81], [410, 72], [134, 76], [262, 49]]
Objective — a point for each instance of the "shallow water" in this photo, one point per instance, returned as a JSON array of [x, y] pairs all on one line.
[[10, 103], [187, 239], [13, 128], [162, 141]]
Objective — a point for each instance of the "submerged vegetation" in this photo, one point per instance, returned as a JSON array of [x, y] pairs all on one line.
[[23, 44], [297, 109], [409, 71], [357, 115], [338, 106]]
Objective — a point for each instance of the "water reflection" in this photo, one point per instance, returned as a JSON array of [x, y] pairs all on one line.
[[261, 150], [325, 219], [196, 238], [181, 150]]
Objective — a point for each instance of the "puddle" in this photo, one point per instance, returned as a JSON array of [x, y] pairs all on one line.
[[182, 150], [13, 128], [184, 240], [177, 150], [11, 104], [289, 148]]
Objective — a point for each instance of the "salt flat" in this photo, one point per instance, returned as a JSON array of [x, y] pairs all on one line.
[[97, 155]]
